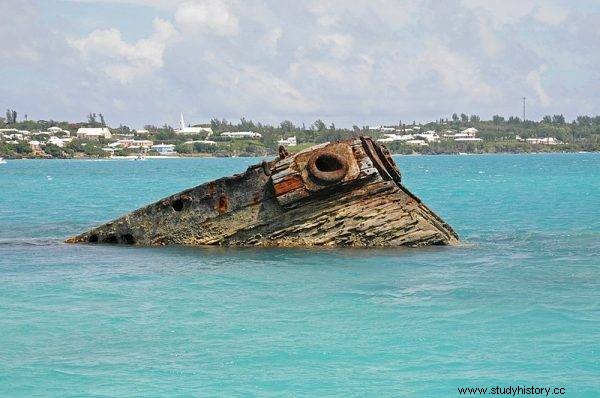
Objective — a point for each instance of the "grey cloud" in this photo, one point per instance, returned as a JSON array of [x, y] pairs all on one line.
[[350, 62]]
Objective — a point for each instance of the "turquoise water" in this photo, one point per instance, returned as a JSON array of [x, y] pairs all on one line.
[[517, 304]]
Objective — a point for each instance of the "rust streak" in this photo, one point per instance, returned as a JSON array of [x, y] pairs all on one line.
[[223, 204], [288, 184]]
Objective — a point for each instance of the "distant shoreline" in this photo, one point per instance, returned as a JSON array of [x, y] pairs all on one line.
[[188, 156]]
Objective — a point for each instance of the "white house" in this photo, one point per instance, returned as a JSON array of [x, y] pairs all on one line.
[[132, 144], [291, 141], [467, 135], [383, 128], [16, 136], [93, 133], [544, 141], [55, 130], [417, 142], [59, 142], [429, 136], [241, 134], [207, 142], [396, 137], [466, 139], [183, 129], [164, 149], [470, 132]]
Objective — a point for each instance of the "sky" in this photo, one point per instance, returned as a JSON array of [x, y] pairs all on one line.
[[363, 62]]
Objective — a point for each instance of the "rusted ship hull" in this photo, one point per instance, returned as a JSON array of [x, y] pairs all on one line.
[[346, 193]]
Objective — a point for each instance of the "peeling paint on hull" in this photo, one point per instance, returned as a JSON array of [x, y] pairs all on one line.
[[345, 193]]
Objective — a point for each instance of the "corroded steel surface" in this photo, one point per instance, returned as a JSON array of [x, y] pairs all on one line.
[[342, 193]]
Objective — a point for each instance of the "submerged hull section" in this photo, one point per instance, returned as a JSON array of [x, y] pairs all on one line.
[[346, 193]]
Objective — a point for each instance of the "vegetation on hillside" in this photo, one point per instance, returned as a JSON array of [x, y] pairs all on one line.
[[498, 134]]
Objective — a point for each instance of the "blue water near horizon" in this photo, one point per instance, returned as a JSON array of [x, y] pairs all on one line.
[[516, 304]]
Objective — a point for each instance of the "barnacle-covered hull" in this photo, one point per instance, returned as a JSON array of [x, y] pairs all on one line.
[[345, 193]]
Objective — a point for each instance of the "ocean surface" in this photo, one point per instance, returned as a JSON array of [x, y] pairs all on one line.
[[517, 304]]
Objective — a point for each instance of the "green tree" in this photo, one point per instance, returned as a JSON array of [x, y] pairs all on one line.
[[287, 126], [23, 148], [53, 150], [184, 148], [319, 125]]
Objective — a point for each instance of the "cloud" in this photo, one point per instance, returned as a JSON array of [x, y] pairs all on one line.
[[358, 62], [551, 14], [534, 78], [501, 12], [161, 4], [340, 45], [213, 16], [105, 49], [459, 75]]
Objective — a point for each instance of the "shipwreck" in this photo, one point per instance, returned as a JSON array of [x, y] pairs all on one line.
[[346, 193]]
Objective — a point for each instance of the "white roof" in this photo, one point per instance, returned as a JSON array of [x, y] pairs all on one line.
[[93, 130], [241, 134], [201, 142]]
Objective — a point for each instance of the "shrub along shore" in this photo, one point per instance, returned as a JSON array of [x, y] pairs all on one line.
[[498, 135]]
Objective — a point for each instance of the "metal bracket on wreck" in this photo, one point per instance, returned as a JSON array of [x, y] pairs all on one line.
[[346, 193]]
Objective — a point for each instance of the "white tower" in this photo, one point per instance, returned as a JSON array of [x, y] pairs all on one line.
[[181, 122]]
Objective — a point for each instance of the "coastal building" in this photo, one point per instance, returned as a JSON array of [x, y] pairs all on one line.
[[164, 149], [396, 137], [471, 131], [291, 141], [183, 129], [543, 141], [15, 136], [59, 142], [241, 134], [14, 131], [57, 130], [207, 142], [466, 139], [384, 128], [131, 144], [429, 136], [93, 133], [467, 135], [417, 142]]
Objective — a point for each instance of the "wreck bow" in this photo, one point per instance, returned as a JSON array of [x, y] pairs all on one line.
[[345, 193]]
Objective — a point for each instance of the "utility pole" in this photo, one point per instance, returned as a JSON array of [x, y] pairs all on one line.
[[523, 109]]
